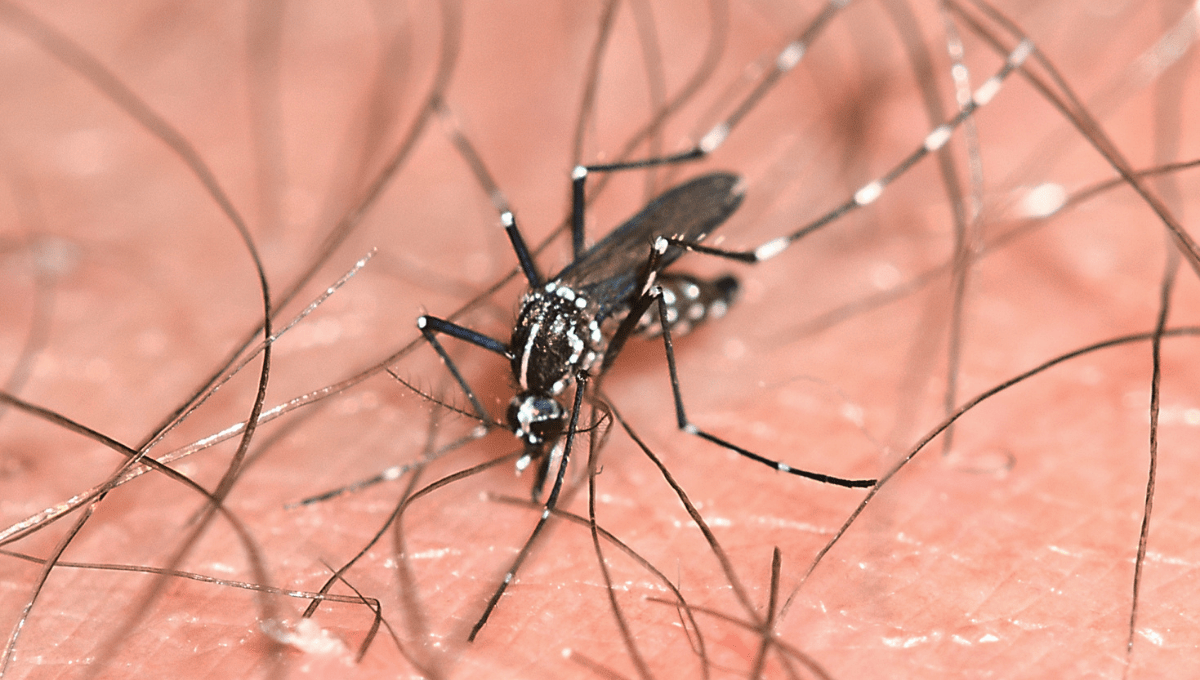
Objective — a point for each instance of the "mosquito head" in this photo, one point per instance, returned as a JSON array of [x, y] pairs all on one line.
[[536, 419]]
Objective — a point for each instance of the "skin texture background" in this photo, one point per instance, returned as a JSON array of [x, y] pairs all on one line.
[[1012, 555]]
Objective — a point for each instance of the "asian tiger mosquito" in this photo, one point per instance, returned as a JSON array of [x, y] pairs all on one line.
[[754, 193], [571, 326]]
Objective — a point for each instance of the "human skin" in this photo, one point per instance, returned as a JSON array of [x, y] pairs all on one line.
[[1011, 556]]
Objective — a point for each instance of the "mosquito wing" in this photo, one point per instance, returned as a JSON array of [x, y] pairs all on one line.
[[607, 272]]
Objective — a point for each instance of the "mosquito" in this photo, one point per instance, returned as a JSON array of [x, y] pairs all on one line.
[[572, 326]]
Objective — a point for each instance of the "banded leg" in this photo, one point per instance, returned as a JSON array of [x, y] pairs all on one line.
[[871, 191], [655, 295], [785, 60]]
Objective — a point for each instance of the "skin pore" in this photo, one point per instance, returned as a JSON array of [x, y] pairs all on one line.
[[1012, 554]]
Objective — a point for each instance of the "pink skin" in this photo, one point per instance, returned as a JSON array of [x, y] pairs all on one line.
[[962, 565]]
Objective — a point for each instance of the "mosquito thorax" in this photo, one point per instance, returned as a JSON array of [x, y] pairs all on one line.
[[555, 338]]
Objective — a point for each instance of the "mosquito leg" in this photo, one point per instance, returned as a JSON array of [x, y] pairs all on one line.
[[871, 191], [547, 510], [430, 326], [655, 294], [630, 323]]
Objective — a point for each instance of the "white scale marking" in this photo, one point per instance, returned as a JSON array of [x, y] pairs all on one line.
[[1021, 53], [770, 249], [937, 139], [790, 56], [986, 91], [714, 138], [868, 193], [524, 377]]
